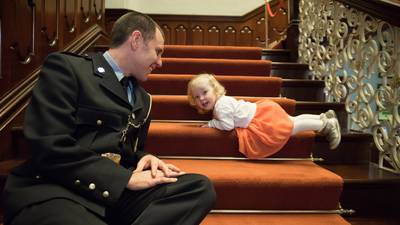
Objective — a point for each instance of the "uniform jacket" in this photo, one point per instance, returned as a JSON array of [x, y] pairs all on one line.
[[78, 112]]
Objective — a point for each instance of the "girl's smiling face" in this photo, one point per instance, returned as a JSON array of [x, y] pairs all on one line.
[[204, 95]]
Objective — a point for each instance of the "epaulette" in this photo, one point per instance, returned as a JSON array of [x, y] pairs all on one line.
[[84, 55]]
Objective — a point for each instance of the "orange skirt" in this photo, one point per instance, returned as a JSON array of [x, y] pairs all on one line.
[[267, 132]]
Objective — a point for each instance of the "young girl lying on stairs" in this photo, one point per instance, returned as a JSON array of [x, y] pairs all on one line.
[[262, 128]]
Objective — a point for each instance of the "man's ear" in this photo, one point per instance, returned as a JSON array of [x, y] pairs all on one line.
[[136, 39]]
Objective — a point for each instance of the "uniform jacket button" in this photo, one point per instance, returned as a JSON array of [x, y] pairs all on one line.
[[99, 122], [106, 194], [92, 186], [77, 182], [37, 176]]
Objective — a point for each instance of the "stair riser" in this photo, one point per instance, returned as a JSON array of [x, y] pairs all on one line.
[[176, 84], [220, 67]]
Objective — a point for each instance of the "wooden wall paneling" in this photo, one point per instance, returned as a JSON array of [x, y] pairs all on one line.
[[85, 15], [246, 36], [207, 30], [19, 45], [198, 34], [229, 35], [98, 10], [68, 21], [49, 14], [181, 34], [1, 48], [260, 38], [213, 36], [278, 24], [167, 33]]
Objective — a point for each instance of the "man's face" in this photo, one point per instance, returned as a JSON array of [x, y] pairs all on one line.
[[147, 55]]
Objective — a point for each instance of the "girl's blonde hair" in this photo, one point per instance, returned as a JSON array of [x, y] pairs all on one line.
[[219, 90]]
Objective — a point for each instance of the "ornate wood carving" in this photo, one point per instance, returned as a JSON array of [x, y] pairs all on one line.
[[229, 36], [19, 44], [181, 35], [213, 36], [32, 26], [207, 30], [85, 11], [167, 33], [69, 17], [198, 35], [49, 30]]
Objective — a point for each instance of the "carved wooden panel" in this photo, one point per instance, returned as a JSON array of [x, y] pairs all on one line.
[[181, 35], [68, 20], [246, 36], [259, 32], [85, 14], [213, 36], [229, 36], [49, 15], [167, 33], [19, 45], [197, 35], [33, 29]]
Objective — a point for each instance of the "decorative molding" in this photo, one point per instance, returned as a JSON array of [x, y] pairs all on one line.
[[1, 62], [85, 16], [31, 52], [99, 13], [51, 42], [71, 26]]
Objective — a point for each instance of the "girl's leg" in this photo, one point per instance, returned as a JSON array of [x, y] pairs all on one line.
[[306, 122], [307, 116]]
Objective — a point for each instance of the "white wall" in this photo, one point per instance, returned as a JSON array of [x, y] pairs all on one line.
[[188, 7]]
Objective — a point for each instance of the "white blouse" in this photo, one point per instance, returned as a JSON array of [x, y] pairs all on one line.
[[230, 113]]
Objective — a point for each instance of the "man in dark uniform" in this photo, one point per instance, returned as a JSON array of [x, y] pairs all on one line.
[[79, 117]]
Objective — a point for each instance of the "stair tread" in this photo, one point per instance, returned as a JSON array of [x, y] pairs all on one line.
[[274, 219], [195, 140], [278, 185], [368, 173]]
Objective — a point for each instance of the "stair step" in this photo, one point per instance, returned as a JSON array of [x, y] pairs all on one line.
[[274, 219], [278, 55], [272, 185], [215, 52], [369, 190], [215, 66], [290, 70], [354, 148], [176, 84], [189, 139], [203, 51], [303, 90], [176, 107], [259, 185]]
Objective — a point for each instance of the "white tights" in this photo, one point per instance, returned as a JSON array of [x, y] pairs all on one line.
[[306, 122]]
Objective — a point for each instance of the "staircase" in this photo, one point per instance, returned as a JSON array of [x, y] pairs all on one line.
[[292, 186]]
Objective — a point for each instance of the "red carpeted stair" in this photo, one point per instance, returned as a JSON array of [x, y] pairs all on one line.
[[278, 190], [287, 188]]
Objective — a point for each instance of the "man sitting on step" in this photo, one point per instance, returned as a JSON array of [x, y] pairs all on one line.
[[79, 117]]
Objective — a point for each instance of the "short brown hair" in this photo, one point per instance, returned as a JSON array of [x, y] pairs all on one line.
[[130, 22]]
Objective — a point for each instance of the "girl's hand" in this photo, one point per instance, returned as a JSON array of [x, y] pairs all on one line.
[[204, 125]]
